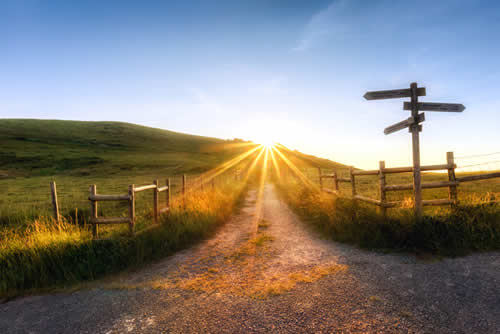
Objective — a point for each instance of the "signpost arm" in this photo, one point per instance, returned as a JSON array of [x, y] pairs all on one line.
[[417, 185]]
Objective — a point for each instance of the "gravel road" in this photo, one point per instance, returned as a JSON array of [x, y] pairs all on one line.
[[264, 271]]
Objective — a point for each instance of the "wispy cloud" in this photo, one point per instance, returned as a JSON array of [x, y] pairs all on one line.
[[323, 25]]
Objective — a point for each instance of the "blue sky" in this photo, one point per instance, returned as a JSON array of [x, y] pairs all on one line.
[[290, 71]]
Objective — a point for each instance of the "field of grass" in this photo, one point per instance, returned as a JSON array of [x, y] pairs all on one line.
[[50, 254], [76, 154], [474, 225], [36, 252]]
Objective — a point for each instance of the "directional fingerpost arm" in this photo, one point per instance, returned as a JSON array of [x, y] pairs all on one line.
[[435, 106], [404, 124], [392, 94]]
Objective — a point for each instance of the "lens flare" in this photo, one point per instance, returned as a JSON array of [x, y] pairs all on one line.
[[267, 144]]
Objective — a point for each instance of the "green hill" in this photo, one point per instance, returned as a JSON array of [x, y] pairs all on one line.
[[303, 160], [31, 147], [111, 155]]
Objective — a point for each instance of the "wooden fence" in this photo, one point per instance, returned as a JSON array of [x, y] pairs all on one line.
[[382, 202], [130, 197]]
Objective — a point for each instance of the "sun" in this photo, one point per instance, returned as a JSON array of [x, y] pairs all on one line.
[[267, 144], [265, 135]]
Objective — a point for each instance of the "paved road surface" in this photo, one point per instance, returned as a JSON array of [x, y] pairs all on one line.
[[265, 272]]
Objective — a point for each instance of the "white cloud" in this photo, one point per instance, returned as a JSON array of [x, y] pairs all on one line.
[[323, 25]]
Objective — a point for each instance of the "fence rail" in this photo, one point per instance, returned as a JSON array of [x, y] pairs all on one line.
[[478, 177], [130, 197], [95, 198], [452, 183]]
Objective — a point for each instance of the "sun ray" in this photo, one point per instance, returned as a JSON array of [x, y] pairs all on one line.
[[224, 146], [296, 171], [260, 190], [209, 175], [252, 166], [275, 163]]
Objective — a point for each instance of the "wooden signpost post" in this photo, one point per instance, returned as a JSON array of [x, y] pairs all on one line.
[[414, 126]]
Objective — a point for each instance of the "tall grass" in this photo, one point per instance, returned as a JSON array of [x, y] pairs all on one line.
[[47, 254], [471, 226]]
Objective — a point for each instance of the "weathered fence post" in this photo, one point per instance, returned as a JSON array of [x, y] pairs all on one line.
[[320, 179], [93, 208], [336, 181], [353, 181], [183, 184], [184, 190], [383, 208], [155, 200], [415, 129], [168, 193], [452, 190], [131, 208], [55, 205]]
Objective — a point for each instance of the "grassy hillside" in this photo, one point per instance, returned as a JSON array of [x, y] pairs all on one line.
[[302, 160], [111, 155], [36, 252], [30, 147]]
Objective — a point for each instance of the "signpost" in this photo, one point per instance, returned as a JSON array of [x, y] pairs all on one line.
[[413, 123]]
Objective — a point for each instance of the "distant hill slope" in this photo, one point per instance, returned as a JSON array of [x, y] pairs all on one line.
[[32, 147], [305, 160]]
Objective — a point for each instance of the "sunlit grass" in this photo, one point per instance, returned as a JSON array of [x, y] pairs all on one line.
[[471, 226], [36, 251], [48, 254]]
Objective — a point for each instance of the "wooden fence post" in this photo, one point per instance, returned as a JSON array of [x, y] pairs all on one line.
[[155, 200], [415, 129], [93, 208], [131, 208], [183, 184], [320, 179], [55, 205], [168, 193], [452, 190], [381, 166], [184, 190], [336, 181], [353, 181]]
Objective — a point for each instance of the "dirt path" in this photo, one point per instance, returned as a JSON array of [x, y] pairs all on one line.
[[264, 272]]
